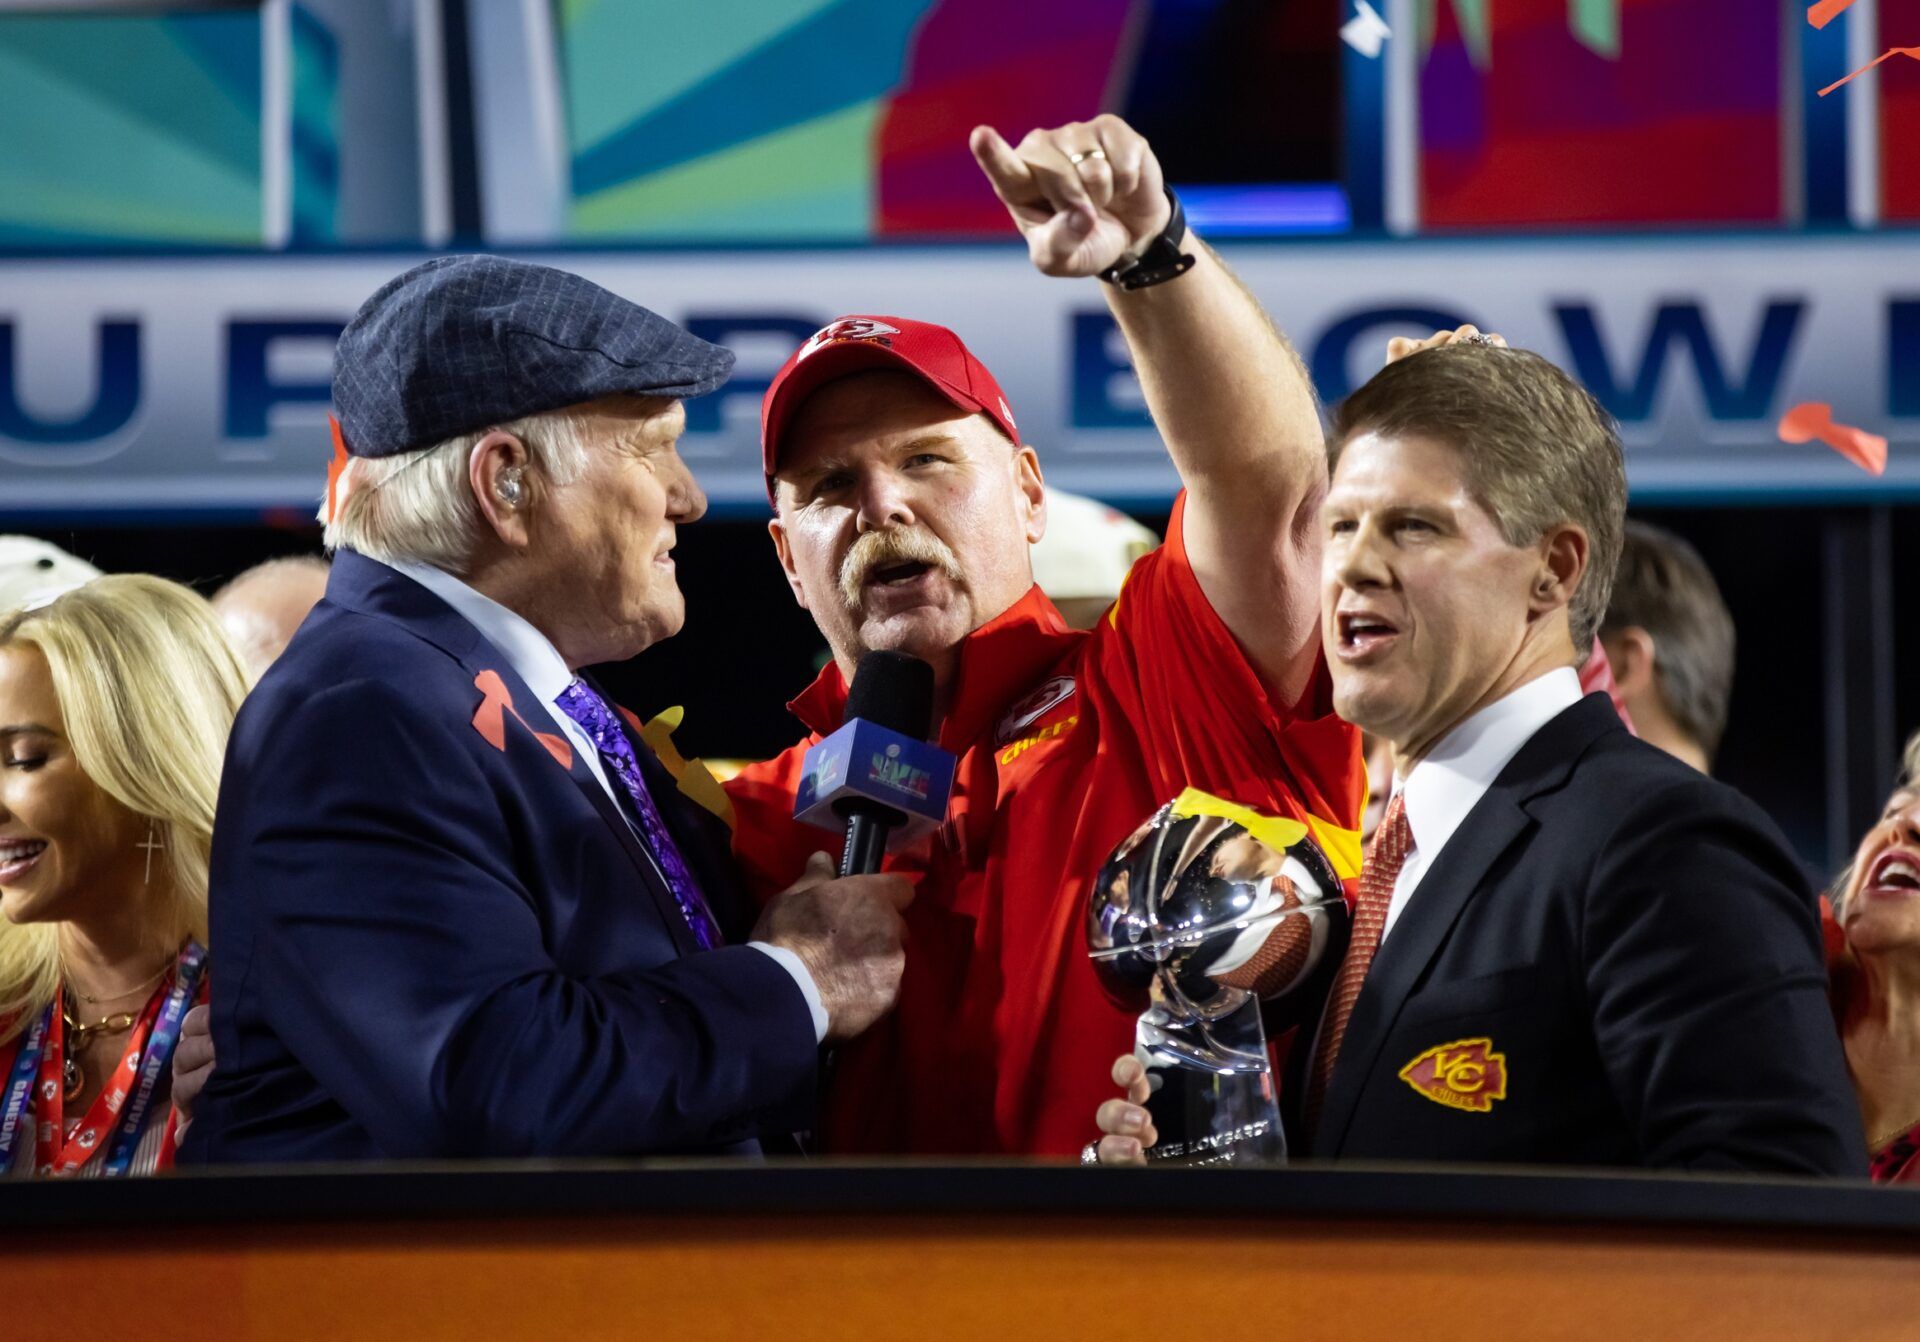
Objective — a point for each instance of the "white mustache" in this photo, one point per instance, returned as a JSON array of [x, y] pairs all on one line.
[[882, 549]]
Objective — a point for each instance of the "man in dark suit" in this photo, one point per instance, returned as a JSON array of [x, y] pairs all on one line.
[[1568, 947], [459, 907]]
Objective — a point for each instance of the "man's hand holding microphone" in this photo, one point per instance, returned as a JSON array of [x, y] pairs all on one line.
[[848, 932], [877, 778]]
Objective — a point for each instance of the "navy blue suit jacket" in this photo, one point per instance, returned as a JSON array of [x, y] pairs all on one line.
[[430, 944]]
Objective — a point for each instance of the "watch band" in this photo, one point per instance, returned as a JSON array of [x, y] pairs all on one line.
[[1160, 260]]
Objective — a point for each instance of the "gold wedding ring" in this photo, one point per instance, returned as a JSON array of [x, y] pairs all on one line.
[[1078, 159]]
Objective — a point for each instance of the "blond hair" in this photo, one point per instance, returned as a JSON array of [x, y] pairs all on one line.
[[148, 685], [1908, 781], [417, 507], [1539, 451]]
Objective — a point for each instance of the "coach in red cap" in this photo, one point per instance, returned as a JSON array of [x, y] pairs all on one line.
[[905, 501]]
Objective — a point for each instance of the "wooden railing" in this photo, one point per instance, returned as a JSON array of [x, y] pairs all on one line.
[[795, 1252]]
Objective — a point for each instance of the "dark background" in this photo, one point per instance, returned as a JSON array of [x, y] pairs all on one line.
[[747, 648]]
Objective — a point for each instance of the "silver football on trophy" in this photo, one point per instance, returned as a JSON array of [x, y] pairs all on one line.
[[1198, 907]]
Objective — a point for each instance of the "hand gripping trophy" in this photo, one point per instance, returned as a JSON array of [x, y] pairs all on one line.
[[1224, 924]]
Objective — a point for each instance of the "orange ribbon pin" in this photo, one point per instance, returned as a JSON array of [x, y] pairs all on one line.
[[490, 719]]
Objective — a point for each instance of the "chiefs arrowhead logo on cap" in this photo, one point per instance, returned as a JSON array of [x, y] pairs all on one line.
[[848, 328], [1466, 1074]]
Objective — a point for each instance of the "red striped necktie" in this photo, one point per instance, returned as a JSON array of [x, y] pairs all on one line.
[[1385, 856]]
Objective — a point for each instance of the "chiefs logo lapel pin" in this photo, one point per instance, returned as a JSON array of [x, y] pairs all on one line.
[[1465, 1074]]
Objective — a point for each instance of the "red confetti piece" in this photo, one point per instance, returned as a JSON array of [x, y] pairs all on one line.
[[336, 465], [1814, 419], [1914, 52], [1826, 12]]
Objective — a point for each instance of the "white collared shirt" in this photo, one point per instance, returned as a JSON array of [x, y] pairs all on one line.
[[536, 661], [1443, 788]]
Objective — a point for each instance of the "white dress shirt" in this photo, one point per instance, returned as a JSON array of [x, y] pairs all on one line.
[[1441, 789], [536, 661]]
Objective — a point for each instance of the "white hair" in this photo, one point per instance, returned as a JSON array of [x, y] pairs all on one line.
[[418, 507]]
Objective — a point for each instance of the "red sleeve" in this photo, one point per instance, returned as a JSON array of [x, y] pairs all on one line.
[[1200, 712], [768, 843]]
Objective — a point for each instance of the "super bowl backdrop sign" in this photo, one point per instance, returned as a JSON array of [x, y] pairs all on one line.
[[158, 384]]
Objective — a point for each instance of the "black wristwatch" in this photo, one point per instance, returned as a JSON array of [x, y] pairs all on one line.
[[1161, 260]]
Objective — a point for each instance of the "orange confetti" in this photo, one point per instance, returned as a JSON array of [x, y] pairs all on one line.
[[1814, 419], [1914, 52], [334, 470], [1827, 11]]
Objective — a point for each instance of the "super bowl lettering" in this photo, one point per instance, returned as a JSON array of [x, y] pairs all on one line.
[[901, 776]]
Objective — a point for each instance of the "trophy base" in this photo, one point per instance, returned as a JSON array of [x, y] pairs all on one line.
[[1213, 1101]]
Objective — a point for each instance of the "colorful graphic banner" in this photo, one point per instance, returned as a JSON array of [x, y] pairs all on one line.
[[1599, 111]]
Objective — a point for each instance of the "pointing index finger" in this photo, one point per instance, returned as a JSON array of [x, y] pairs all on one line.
[[1006, 173]]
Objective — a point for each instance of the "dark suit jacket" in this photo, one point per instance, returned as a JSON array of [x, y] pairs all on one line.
[[1637, 945], [433, 943]]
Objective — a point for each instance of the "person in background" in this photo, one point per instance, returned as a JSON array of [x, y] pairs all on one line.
[[262, 607], [115, 704], [1669, 636], [1877, 980], [1082, 560], [32, 570]]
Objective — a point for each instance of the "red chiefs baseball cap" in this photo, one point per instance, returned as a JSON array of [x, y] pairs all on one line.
[[856, 344]]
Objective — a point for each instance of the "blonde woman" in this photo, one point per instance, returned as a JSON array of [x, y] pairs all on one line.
[[1878, 983], [115, 703]]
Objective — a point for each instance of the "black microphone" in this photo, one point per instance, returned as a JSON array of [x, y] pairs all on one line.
[[894, 692]]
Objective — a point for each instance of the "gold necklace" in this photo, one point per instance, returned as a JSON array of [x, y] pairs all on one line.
[[73, 1080], [128, 992], [1881, 1143]]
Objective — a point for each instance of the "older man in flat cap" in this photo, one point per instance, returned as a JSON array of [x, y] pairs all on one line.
[[459, 908]]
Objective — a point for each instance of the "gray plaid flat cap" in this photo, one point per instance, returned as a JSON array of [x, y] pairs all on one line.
[[465, 342]]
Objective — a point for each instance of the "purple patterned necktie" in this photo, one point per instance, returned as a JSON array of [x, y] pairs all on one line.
[[588, 709]]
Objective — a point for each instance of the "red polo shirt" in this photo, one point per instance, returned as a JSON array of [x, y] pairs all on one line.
[[1003, 1039]]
